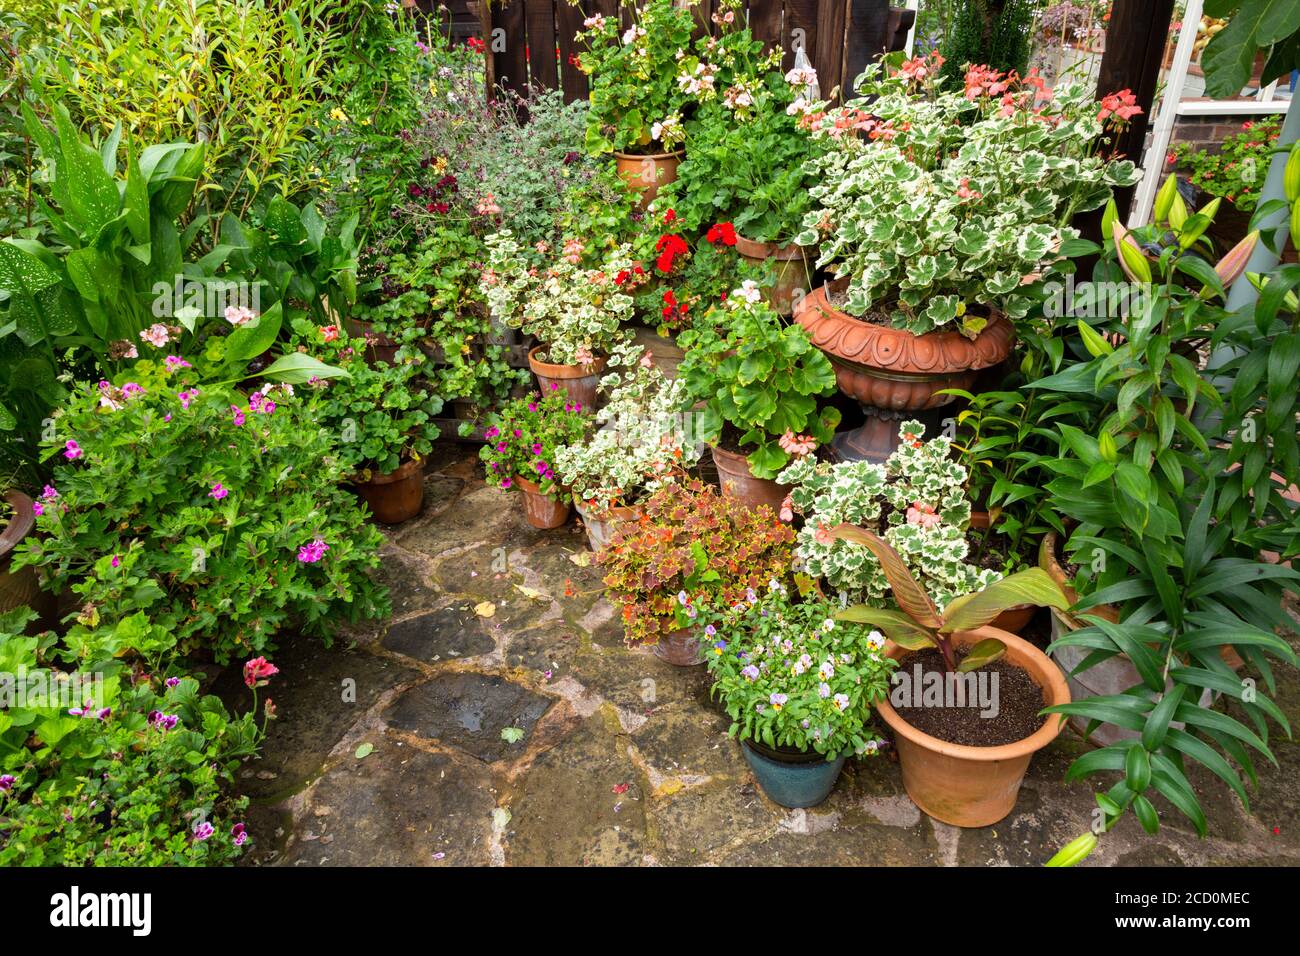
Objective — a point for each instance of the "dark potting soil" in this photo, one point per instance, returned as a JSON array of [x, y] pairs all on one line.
[[1017, 697]]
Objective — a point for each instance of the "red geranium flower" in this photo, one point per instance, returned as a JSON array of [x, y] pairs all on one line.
[[723, 232], [257, 669]]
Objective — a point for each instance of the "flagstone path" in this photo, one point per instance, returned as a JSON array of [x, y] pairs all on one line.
[[389, 746]]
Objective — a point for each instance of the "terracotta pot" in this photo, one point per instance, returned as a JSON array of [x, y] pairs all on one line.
[[738, 482], [645, 174], [1049, 560], [975, 786], [1013, 619], [579, 381], [397, 496], [681, 648], [22, 586], [600, 525], [380, 349], [793, 272], [541, 511], [664, 350], [893, 373]]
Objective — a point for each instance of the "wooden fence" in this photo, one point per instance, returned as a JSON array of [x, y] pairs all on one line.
[[533, 41]]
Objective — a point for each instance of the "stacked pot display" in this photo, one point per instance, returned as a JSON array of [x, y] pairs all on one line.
[[893, 373]]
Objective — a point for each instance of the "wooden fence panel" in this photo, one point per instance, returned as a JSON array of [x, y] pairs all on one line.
[[568, 21], [532, 41]]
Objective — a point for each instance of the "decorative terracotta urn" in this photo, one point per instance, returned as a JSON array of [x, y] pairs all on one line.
[[893, 373], [647, 173], [791, 263]]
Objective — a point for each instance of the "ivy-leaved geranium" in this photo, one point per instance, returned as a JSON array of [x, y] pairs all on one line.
[[578, 311], [790, 676], [382, 414], [916, 500], [691, 548], [638, 444], [218, 515], [941, 205], [759, 379], [636, 103], [523, 439]]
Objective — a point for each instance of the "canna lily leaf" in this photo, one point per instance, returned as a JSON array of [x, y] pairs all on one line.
[[895, 625], [908, 592], [1030, 586], [985, 652]]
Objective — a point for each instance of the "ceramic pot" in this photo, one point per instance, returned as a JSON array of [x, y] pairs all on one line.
[[541, 511], [646, 174], [380, 349], [975, 786], [600, 525], [792, 267], [396, 496], [892, 373], [22, 586], [792, 778], [738, 482], [681, 648], [579, 381]]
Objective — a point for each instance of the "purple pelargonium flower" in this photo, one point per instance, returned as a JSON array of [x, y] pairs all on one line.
[[173, 362], [237, 414], [218, 491], [7, 781], [238, 834], [173, 681], [71, 450], [313, 552], [202, 830], [492, 432]]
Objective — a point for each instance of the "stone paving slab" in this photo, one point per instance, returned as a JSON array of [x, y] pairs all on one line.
[[621, 759]]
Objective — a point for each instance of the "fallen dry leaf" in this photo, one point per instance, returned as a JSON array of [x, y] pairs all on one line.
[[485, 609]]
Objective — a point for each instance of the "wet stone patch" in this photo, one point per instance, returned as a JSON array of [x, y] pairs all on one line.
[[469, 712], [448, 633]]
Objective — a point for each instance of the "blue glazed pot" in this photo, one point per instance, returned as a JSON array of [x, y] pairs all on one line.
[[793, 780]]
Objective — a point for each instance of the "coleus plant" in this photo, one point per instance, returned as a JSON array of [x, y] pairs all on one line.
[[919, 624], [761, 377]]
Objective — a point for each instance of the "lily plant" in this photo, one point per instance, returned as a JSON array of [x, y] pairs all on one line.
[[918, 624]]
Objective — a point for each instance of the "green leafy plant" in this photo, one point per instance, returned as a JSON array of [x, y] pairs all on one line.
[[140, 775], [637, 445], [939, 206], [216, 514], [382, 414], [916, 500], [1254, 25], [919, 624], [791, 675], [692, 548], [522, 441], [636, 102], [761, 378], [1236, 170]]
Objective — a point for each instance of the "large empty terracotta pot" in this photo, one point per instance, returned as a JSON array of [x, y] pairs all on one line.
[[975, 786], [893, 373]]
